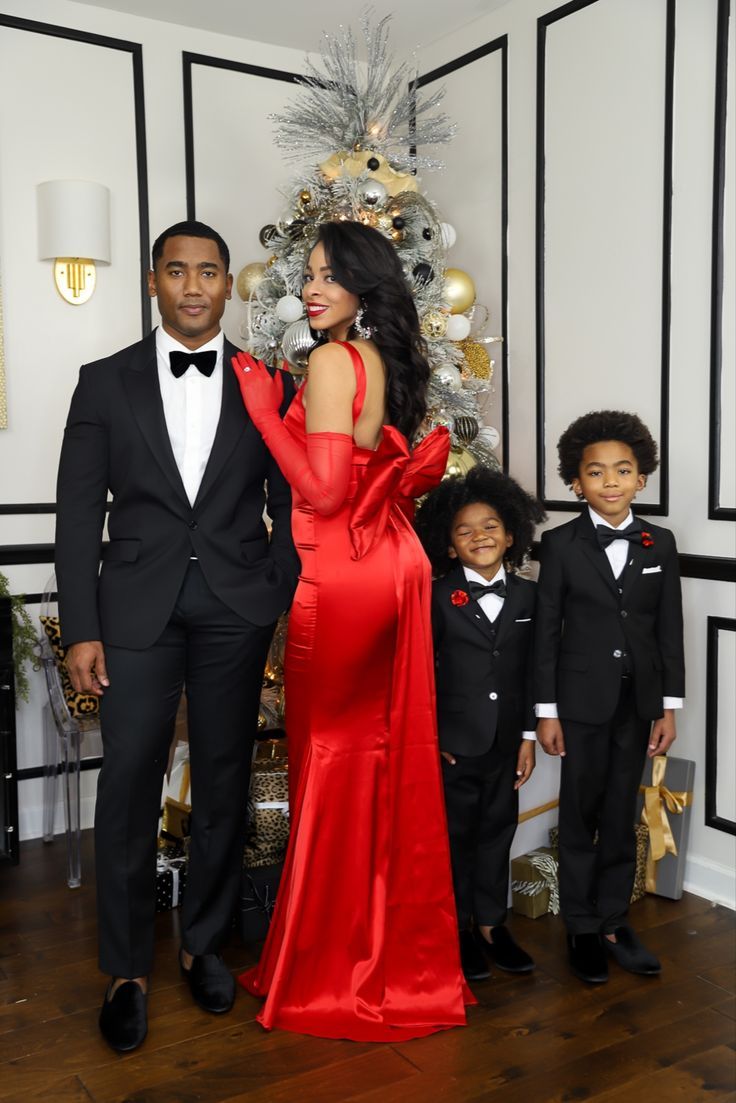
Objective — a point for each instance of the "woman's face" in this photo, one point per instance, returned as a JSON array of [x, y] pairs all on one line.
[[329, 306]]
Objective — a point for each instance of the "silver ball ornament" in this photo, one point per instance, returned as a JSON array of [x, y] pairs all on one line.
[[297, 342], [289, 308], [373, 194], [447, 375]]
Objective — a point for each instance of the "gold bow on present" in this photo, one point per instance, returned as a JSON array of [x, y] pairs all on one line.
[[658, 800]]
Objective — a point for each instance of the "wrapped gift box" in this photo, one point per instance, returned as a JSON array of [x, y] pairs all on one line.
[[256, 902], [268, 805], [642, 841], [665, 804], [171, 875], [534, 885]]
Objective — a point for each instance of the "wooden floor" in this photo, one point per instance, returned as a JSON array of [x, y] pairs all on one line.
[[531, 1040]]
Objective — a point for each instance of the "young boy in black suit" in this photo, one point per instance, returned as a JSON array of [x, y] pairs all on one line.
[[608, 674], [482, 618]]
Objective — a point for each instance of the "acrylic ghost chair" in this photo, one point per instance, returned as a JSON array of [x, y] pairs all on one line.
[[71, 731]]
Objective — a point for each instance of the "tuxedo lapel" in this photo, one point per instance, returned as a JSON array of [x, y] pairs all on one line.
[[634, 562], [592, 550], [141, 383], [230, 428], [471, 611]]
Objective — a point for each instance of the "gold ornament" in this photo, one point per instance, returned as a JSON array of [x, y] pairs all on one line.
[[385, 221], [434, 324], [477, 361], [248, 279], [458, 291], [397, 235], [305, 198], [459, 462]]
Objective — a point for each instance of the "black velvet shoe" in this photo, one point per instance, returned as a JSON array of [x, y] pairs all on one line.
[[123, 1018], [472, 960], [587, 957], [630, 954], [210, 982], [504, 951]]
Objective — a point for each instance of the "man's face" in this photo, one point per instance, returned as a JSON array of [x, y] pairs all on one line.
[[191, 285]]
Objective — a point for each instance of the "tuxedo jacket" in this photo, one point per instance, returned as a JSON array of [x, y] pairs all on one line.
[[116, 442], [484, 692], [587, 631]]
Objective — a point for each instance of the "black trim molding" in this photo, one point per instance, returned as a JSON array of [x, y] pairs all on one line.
[[136, 52], [498, 44], [652, 509], [716, 511], [31, 772], [716, 625], [189, 60]]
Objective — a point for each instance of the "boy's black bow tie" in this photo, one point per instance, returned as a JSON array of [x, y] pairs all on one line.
[[607, 535], [203, 361], [478, 590]]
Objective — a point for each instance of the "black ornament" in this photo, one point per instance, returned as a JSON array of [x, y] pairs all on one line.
[[295, 228], [427, 233], [423, 272], [398, 222], [266, 234], [373, 163]]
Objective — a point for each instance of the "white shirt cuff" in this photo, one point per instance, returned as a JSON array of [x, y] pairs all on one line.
[[673, 702], [546, 711], [531, 736]]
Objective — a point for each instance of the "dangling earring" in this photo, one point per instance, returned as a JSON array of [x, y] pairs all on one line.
[[363, 331]]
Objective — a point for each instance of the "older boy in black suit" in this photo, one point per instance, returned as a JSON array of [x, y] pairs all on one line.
[[609, 673], [482, 619]]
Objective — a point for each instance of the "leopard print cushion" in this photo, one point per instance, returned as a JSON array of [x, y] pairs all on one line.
[[79, 704]]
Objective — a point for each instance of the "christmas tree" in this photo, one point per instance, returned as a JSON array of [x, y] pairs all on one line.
[[358, 127]]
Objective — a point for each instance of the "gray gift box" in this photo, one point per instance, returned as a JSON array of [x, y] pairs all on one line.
[[665, 804]]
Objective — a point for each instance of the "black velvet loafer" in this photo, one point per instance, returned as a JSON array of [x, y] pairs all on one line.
[[588, 958], [504, 951], [123, 1018], [474, 964], [211, 984], [631, 955]]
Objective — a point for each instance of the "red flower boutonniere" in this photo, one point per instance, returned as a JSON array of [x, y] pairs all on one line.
[[459, 597], [647, 540]]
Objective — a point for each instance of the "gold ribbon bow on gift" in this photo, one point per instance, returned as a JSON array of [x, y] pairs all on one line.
[[658, 800]]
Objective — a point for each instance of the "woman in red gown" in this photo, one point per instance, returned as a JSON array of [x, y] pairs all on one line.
[[363, 941]]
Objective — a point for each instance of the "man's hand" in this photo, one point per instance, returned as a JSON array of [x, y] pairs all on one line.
[[664, 734], [525, 762], [549, 734], [85, 663]]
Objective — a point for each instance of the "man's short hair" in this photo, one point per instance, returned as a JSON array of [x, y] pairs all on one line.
[[191, 228]]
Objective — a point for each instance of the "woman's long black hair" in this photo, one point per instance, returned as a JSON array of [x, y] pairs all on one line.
[[365, 263]]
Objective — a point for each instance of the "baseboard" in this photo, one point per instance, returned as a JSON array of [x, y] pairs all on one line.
[[711, 880]]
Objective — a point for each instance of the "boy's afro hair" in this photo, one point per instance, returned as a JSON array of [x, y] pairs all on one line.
[[519, 511], [605, 425]]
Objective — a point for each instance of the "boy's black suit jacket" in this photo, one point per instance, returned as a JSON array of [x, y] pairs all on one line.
[[584, 625], [116, 440], [483, 681]]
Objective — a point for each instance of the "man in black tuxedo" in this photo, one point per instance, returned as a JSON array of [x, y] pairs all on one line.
[[188, 595], [482, 623], [609, 673]]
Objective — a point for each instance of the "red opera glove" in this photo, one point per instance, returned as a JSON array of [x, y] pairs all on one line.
[[321, 472]]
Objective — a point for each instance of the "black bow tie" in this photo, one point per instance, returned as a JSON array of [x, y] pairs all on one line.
[[203, 361], [478, 590], [607, 535]]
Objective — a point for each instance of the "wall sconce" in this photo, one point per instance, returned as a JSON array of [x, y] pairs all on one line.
[[74, 231]]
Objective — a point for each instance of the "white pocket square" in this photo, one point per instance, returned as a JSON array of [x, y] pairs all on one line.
[[522, 620], [651, 570]]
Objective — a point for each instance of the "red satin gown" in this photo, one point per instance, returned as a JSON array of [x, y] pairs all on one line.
[[363, 942]]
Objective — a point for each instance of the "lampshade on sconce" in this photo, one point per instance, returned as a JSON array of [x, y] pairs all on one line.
[[74, 231]]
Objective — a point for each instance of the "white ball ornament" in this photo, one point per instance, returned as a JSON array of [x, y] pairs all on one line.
[[289, 308], [447, 375], [489, 436], [458, 327], [447, 235]]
